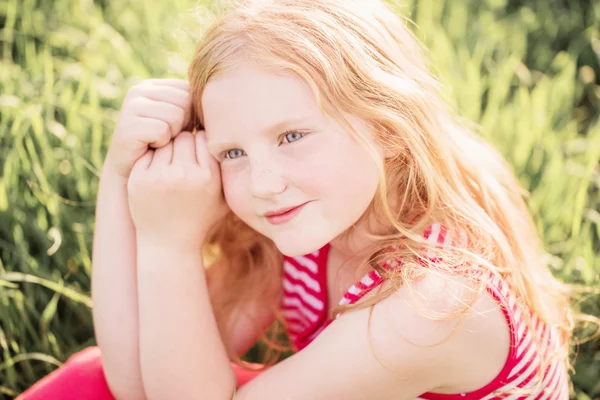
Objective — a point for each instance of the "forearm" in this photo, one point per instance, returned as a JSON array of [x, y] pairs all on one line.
[[114, 289], [181, 352]]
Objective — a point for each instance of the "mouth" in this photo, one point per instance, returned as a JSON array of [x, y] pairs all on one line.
[[283, 215]]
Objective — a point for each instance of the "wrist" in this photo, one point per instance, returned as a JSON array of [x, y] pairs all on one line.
[[153, 256], [110, 172], [149, 240]]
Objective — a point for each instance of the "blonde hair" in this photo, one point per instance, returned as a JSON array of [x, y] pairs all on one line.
[[360, 58]]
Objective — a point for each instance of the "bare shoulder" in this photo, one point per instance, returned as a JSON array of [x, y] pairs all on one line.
[[407, 344], [460, 335]]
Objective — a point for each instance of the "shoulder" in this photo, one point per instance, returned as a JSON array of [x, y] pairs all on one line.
[[457, 329], [449, 327], [398, 349], [418, 339]]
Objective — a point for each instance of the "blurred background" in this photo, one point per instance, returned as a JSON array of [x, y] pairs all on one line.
[[527, 71]]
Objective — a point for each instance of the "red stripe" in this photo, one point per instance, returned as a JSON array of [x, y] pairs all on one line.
[[361, 285], [294, 295], [352, 297], [442, 235], [355, 297], [303, 268], [290, 279], [427, 231], [500, 290], [298, 321], [548, 379], [531, 376]]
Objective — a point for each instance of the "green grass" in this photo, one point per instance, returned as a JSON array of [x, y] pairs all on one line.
[[527, 71]]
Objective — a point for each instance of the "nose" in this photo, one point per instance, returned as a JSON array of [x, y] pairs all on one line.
[[266, 179]]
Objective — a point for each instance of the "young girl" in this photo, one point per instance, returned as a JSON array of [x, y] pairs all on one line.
[[333, 190]]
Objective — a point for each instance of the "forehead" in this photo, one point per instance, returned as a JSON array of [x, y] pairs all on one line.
[[250, 97]]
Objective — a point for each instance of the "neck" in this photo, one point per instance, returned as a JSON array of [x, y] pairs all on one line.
[[351, 244], [355, 241]]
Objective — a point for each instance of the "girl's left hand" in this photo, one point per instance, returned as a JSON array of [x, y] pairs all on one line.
[[175, 194]]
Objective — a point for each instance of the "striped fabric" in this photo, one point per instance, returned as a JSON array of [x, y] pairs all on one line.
[[305, 309], [304, 301]]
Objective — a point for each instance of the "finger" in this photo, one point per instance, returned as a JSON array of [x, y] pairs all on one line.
[[202, 155], [169, 113], [163, 155], [153, 132], [184, 149], [167, 94], [142, 163], [173, 82]]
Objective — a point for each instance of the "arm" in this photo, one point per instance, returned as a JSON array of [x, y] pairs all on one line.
[[392, 353], [395, 351], [115, 297], [114, 288], [179, 338], [152, 112]]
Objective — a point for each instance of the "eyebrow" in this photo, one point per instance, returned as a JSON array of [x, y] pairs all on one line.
[[276, 127]]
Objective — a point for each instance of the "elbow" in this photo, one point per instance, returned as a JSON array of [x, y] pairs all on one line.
[[125, 390], [186, 386], [124, 384], [90, 365]]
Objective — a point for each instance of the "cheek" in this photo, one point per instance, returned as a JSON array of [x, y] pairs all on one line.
[[351, 180], [234, 191], [339, 171]]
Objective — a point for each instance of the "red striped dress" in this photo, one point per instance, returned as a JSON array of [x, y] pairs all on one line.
[[305, 310]]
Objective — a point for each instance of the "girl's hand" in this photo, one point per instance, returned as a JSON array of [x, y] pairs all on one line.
[[175, 193], [152, 114]]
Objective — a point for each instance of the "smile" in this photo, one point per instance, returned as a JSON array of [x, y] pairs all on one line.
[[285, 216]]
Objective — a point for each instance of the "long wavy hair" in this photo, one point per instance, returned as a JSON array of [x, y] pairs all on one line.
[[360, 58]]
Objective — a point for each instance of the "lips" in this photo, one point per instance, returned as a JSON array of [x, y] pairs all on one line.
[[281, 211], [283, 215]]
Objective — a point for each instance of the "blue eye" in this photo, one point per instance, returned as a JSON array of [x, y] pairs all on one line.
[[293, 136], [289, 137], [234, 153]]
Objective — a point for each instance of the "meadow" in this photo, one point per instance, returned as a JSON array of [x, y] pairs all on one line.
[[528, 72]]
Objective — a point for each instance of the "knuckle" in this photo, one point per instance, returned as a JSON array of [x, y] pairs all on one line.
[[177, 116], [160, 132], [139, 91], [164, 137], [134, 91], [133, 104], [139, 101], [144, 83], [163, 129]]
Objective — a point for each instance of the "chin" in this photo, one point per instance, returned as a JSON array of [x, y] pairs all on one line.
[[300, 244], [294, 250]]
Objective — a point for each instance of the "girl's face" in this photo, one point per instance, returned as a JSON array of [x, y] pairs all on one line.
[[277, 150]]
